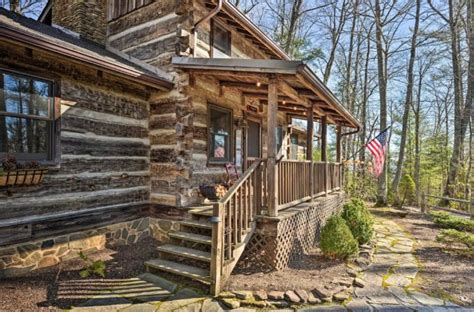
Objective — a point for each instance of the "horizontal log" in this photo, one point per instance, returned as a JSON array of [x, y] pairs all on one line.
[[71, 201], [145, 32], [100, 127], [67, 111], [153, 49], [76, 146], [78, 165], [163, 155], [151, 12], [165, 121], [63, 184], [102, 100]]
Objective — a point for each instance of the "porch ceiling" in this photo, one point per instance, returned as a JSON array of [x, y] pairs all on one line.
[[298, 87]]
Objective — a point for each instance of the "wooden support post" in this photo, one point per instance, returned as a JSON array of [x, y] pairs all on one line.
[[272, 172], [324, 155], [339, 153], [309, 146], [217, 248]]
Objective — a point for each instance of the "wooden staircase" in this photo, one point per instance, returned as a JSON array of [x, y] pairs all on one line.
[[209, 243]]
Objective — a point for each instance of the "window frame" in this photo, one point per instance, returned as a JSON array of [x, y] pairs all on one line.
[[260, 136], [211, 160], [54, 109], [214, 26]]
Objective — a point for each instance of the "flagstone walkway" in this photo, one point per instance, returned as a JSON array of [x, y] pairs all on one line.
[[388, 279]]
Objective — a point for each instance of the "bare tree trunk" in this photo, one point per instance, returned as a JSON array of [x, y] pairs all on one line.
[[381, 59], [408, 103], [15, 6], [417, 113], [336, 31]]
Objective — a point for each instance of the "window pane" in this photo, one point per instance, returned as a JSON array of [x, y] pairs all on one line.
[[220, 129], [222, 39], [24, 95], [21, 135]]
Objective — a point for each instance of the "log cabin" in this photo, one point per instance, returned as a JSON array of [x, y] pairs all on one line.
[[132, 106]]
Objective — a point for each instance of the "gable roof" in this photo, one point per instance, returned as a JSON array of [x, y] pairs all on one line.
[[28, 32]]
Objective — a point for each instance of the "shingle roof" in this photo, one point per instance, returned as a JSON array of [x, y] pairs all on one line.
[[33, 33]]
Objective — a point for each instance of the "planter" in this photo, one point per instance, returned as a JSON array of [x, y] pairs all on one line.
[[208, 191], [22, 177]]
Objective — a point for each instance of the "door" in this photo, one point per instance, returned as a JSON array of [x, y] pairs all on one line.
[[254, 139]]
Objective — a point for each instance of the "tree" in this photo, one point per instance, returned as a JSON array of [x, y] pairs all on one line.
[[24, 7], [408, 101]]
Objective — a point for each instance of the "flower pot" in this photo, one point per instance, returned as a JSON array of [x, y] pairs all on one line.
[[22, 177]]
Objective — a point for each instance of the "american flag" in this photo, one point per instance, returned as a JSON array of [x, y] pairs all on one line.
[[377, 148]]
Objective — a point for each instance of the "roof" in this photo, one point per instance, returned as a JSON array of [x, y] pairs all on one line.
[[28, 32], [300, 83]]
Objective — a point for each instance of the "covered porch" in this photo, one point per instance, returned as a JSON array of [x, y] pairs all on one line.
[[271, 182]]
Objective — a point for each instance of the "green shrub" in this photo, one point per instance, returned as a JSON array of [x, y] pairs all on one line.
[[91, 267], [448, 221], [451, 236], [407, 190], [359, 220], [337, 240]]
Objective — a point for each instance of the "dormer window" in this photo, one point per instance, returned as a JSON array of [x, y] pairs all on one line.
[[221, 41]]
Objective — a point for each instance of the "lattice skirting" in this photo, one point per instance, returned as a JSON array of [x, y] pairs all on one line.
[[282, 240]]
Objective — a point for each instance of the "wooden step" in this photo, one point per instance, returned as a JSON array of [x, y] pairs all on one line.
[[186, 252], [202, 239], [201, 212], [180, 269], [196, 224]]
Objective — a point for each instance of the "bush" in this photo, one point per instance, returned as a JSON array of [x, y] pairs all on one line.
[[448, 221], [359, 220], [407, 190], [451, 236], [337, 240]]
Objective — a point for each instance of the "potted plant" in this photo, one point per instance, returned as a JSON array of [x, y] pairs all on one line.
[[14, 173], [213, 192]]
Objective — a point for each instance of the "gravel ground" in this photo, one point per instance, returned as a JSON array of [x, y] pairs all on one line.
[[310, 272], [41, 290], [444, 274]]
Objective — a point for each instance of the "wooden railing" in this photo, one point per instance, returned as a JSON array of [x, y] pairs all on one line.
[[334, 176], [426, 205], [319, 173], [293, 182], [233, 222]]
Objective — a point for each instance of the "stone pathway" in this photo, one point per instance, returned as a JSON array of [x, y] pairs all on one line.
[[389, 276], [383, 284]]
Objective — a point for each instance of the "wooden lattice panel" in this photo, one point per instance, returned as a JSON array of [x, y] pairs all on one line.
[[280, 241]]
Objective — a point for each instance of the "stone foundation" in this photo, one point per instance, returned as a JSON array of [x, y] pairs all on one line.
[[281, 240], [20, 259]]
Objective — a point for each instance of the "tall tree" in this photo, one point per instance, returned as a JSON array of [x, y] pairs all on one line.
[[462, 110], [408, 101]]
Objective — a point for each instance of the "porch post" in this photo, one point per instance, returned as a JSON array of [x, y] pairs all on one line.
[[272, 172], [339, 153], [309, 146], [324, 155]]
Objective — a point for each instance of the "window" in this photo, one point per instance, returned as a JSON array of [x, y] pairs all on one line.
[[221, 41], [279, 138], [220, 130], [118, 8], [26, 116]]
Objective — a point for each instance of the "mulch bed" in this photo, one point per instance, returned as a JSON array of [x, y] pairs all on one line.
[[38, 291], [444, 274], [312, 271]]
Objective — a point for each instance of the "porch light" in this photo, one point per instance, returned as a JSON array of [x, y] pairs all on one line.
[[258, 84], [284, 102]]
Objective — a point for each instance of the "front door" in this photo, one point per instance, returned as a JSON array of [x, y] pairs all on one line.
[[253, 139]]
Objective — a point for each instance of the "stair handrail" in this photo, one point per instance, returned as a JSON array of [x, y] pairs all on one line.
[[240, 182], [217, 219]]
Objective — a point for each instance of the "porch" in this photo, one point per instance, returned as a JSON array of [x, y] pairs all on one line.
[[270, 183]]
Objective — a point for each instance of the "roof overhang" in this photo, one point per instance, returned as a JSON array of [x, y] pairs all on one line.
[[29, 40], [299, 84]]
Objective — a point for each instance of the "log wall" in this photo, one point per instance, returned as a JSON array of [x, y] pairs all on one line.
[[102, 175]]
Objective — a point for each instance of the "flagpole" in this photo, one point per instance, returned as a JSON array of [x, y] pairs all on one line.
[[363, 146]]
